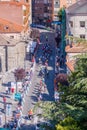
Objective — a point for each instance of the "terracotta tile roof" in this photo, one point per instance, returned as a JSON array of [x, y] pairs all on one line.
[[76, 48], [9, 27], [14, 3], [71, 65]]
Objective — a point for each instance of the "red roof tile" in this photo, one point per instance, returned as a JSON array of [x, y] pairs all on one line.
[[9, 27], [70, 65], [76, 48], [14, 3]]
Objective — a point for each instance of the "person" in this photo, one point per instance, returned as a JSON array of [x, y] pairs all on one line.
[[30, 113], [45, 86], [40, 62], [0, 119], [40, 97], [46, 38], [9, 90], [46, 63], [6, 90]]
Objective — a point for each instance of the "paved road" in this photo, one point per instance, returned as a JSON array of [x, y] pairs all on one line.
[[48, 95]]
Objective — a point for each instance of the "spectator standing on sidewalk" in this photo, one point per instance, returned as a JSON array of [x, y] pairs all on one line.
[[6, 88], [0, 119], [9, 90]]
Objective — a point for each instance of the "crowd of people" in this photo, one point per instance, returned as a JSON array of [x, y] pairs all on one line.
[[59, 61], [43, 62]]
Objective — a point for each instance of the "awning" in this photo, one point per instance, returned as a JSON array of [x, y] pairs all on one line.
[[56, 22]]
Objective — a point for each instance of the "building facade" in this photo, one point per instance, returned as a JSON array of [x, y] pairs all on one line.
[[56, 9], [76, 17], [59, 4], [72, 53], [12, 54], [42, 11], [15, 14], [67, 3]]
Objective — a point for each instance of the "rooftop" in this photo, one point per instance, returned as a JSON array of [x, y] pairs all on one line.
[[76, 48], [8, 27], [70, 65]]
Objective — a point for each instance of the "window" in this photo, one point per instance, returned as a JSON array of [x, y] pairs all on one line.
[[11, 37], [82, 36], [6, 27], [82, 24], [71, 23], [56, 3], [27, 1], [69, 1]]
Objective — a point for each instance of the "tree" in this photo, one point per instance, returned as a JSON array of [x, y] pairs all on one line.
[[73, 101], [19, 75], [68, 124], [61, 80], [60, 14], [76, 93]]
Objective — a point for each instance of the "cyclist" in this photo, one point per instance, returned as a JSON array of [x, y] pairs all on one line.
[[30, 113]]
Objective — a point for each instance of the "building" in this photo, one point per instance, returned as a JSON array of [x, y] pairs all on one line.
[[56, 9], [15, 17], [12, 54], [76, 17], [57, 4], [42, 11], [72, 53], [67, 3]]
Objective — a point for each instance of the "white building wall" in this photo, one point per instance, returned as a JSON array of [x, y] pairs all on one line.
[[76, 30]]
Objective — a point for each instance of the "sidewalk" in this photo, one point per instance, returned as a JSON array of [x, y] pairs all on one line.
[[7, 78]]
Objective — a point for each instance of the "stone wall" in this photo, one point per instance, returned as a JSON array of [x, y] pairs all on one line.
[[15, 56]]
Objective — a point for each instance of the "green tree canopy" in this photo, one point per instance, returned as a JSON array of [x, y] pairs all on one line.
[[75, 94], [60, 14], [68, 124]]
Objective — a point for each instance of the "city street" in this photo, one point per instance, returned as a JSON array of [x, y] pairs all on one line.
[[48, 94]]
